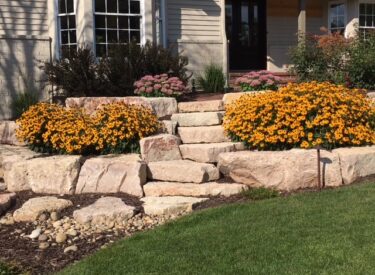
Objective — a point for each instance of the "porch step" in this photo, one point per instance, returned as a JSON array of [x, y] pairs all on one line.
[[198, 119], [207, 134], [208, 153], [182, 171], [201, 106], [160, 189]]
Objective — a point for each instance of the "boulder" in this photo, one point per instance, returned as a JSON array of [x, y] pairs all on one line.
[[104, 211], [163, 106], [6, 201], [170, 127], [201, 106], [170, 205], [282, 170], [8, 133], [208, 134], [160, 148], [198, 119], [212, 189], [182, 171], [209, 152], [232, 97], [53, 175], [34, 207], [357, 163], [113, 174]]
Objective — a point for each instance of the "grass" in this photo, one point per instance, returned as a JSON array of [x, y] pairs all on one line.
[[332, 232], [6, 269]]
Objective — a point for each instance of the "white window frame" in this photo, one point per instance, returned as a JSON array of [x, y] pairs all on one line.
[[58, 24], [359, 14], [330, 3], [142, 29]]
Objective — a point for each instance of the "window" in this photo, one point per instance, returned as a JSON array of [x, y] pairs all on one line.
[[116, 21], [337, 18], [366, 18], [67, 25]]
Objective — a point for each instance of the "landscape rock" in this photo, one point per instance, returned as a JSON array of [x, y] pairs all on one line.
[[103, 211], [163, 106], [113, 174], [282, 170], [35, 234], [182, 171], [43, 245], [209, 152], [6, 201], [170, 205], [198, 119], [212, 189], [357, 163], [201, 106], [72, 248], [60, 237], [160, 148], [229, 98], [170, 127], [208, 134], [8, 133], [53, 175], [34, 207]]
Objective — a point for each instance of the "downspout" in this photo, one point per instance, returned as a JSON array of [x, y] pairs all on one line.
[[163, 23], [225, 47]]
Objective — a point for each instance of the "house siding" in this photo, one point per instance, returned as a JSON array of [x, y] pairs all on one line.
[[195, 27], [23, 44]]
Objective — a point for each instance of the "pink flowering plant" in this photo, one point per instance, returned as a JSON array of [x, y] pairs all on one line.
[[159, 86], [259, 81]]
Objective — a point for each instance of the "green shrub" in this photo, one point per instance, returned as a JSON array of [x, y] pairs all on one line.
[[22, 102], [257, 194], [212, 80]]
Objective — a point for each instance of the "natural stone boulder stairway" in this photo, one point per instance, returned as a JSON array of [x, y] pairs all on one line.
[[179, 178]]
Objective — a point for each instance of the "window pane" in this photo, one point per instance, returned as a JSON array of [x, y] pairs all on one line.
[[73, 37], [362, 9], [100, 50], [135, 22], [135, 35], [369, 9], [112, 6], [111, 22], [362, 21], [135, 7], [70, 6], [124, 36], [100, 5], [123, 22], [63, 22], [123, 6], [341, 22], [62, 6], [64, 37], [72, 21], [100, 21], [112, 36], [100, 36]]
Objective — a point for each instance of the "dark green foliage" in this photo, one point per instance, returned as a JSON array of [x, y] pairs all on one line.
[[81, 74], [8, 270], [212, 80], [257, 194], [21, 102]]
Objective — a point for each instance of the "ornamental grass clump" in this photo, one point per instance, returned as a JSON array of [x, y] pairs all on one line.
[[302, 116], [258, 81], [159, 86], [116, 128]]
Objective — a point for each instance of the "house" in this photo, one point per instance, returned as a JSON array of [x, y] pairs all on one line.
[[240, 35]]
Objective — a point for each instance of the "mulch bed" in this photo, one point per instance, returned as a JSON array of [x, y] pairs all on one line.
[[26, 255]]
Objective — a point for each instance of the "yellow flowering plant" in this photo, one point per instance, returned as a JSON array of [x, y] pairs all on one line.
[[302, 116], [116, 128]]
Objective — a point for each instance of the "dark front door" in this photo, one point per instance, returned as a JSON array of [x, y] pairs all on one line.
[[246, 31]]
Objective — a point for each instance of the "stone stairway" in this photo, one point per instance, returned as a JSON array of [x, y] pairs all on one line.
[[195, 174]]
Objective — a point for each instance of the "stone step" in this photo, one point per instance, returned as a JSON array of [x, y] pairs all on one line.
[[170, 205], [207, 134], [201, 106], [209, 152], [198, 119], [160, 189], [182, 171]]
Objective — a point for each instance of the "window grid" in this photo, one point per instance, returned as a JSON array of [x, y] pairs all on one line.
[[366, 18], [67, 25], [116, 22], [337, 18]]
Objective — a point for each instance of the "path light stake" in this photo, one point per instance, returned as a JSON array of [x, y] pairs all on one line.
[[318, 148]]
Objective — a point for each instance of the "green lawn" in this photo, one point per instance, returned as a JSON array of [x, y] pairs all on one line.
[[332, 232]]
